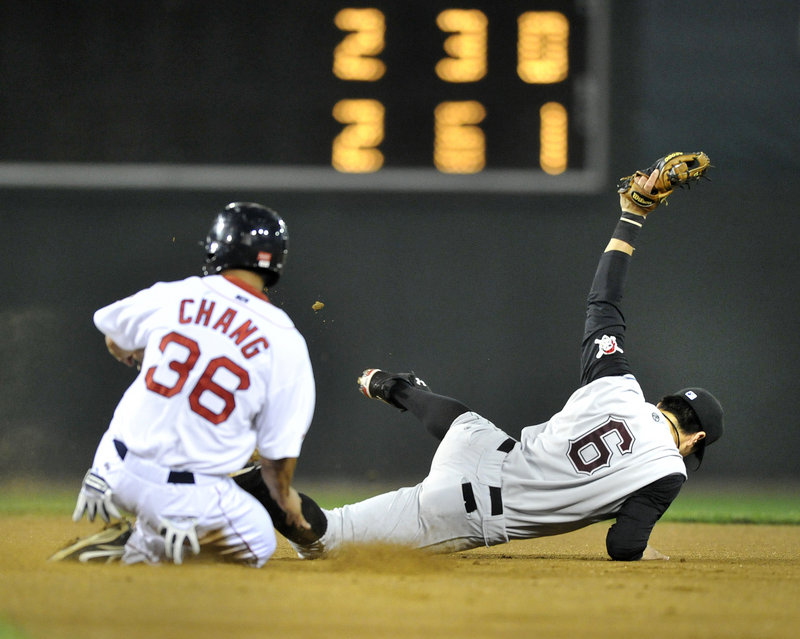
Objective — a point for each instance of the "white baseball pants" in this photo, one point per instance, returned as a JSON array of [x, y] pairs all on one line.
[[230, 523], [456, 507]]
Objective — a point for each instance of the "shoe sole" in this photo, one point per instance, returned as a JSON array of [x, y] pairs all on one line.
[[108, 544]]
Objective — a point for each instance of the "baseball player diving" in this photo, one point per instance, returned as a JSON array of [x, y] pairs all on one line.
[[222, 372], [608, 454]]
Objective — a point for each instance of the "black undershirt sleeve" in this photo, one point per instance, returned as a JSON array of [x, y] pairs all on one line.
[[603, 355], [605, 321], [628, 537]]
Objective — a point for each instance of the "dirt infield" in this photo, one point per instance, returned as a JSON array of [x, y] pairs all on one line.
[[722, 581]]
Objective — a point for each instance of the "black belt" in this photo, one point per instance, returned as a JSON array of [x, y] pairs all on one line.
[[174, 477], [495, 494]]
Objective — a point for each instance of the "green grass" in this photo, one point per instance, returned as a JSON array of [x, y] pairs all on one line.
[[736, 509], [752, 506], [36, 499], [8, 631]]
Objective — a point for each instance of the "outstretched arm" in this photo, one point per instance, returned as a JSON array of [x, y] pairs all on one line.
[[603, 348]]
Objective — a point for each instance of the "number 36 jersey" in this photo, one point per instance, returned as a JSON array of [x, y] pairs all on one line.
[[224, 372], [579, 467]]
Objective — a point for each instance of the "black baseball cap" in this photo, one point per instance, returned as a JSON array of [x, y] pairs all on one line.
[[709, 415]]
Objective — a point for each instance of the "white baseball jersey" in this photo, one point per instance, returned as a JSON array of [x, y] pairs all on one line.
[[224, 372]]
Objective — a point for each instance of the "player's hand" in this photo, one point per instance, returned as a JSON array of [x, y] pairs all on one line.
[[651, 553], [176, 534], [95, 498], [129, 358], [294, 510], [647, 183]]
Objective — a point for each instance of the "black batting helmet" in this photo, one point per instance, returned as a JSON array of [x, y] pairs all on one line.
[[249, 236]]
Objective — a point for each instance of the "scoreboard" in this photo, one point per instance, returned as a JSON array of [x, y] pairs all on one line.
[[484, 96]]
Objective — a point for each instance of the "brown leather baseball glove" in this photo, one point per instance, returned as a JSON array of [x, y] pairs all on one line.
[[675, 170]]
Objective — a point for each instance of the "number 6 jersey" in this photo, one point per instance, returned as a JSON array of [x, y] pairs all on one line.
[[580, 466], [224, 372], [608, 452]]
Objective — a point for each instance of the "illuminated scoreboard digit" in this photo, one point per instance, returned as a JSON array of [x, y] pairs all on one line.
[[508, 96], [412, 95]]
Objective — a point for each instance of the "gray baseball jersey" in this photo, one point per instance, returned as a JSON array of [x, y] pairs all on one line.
[[580, 466], [576, 469]]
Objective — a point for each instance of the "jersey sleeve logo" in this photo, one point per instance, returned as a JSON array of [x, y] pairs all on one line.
[[607, 345]]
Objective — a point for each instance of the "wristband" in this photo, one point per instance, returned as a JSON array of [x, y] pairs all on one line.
[[628, 227]]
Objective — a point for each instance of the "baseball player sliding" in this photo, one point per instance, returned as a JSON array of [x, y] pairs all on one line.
[[222, 372], [607, 454]]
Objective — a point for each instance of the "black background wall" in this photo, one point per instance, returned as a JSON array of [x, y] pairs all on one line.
[[482, 295]]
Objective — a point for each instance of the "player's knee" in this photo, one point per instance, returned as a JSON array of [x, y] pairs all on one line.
[[265, 549]]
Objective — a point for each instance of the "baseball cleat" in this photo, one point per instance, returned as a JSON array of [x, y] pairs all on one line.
[[378, 384], [105, 546], [314, 550]]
